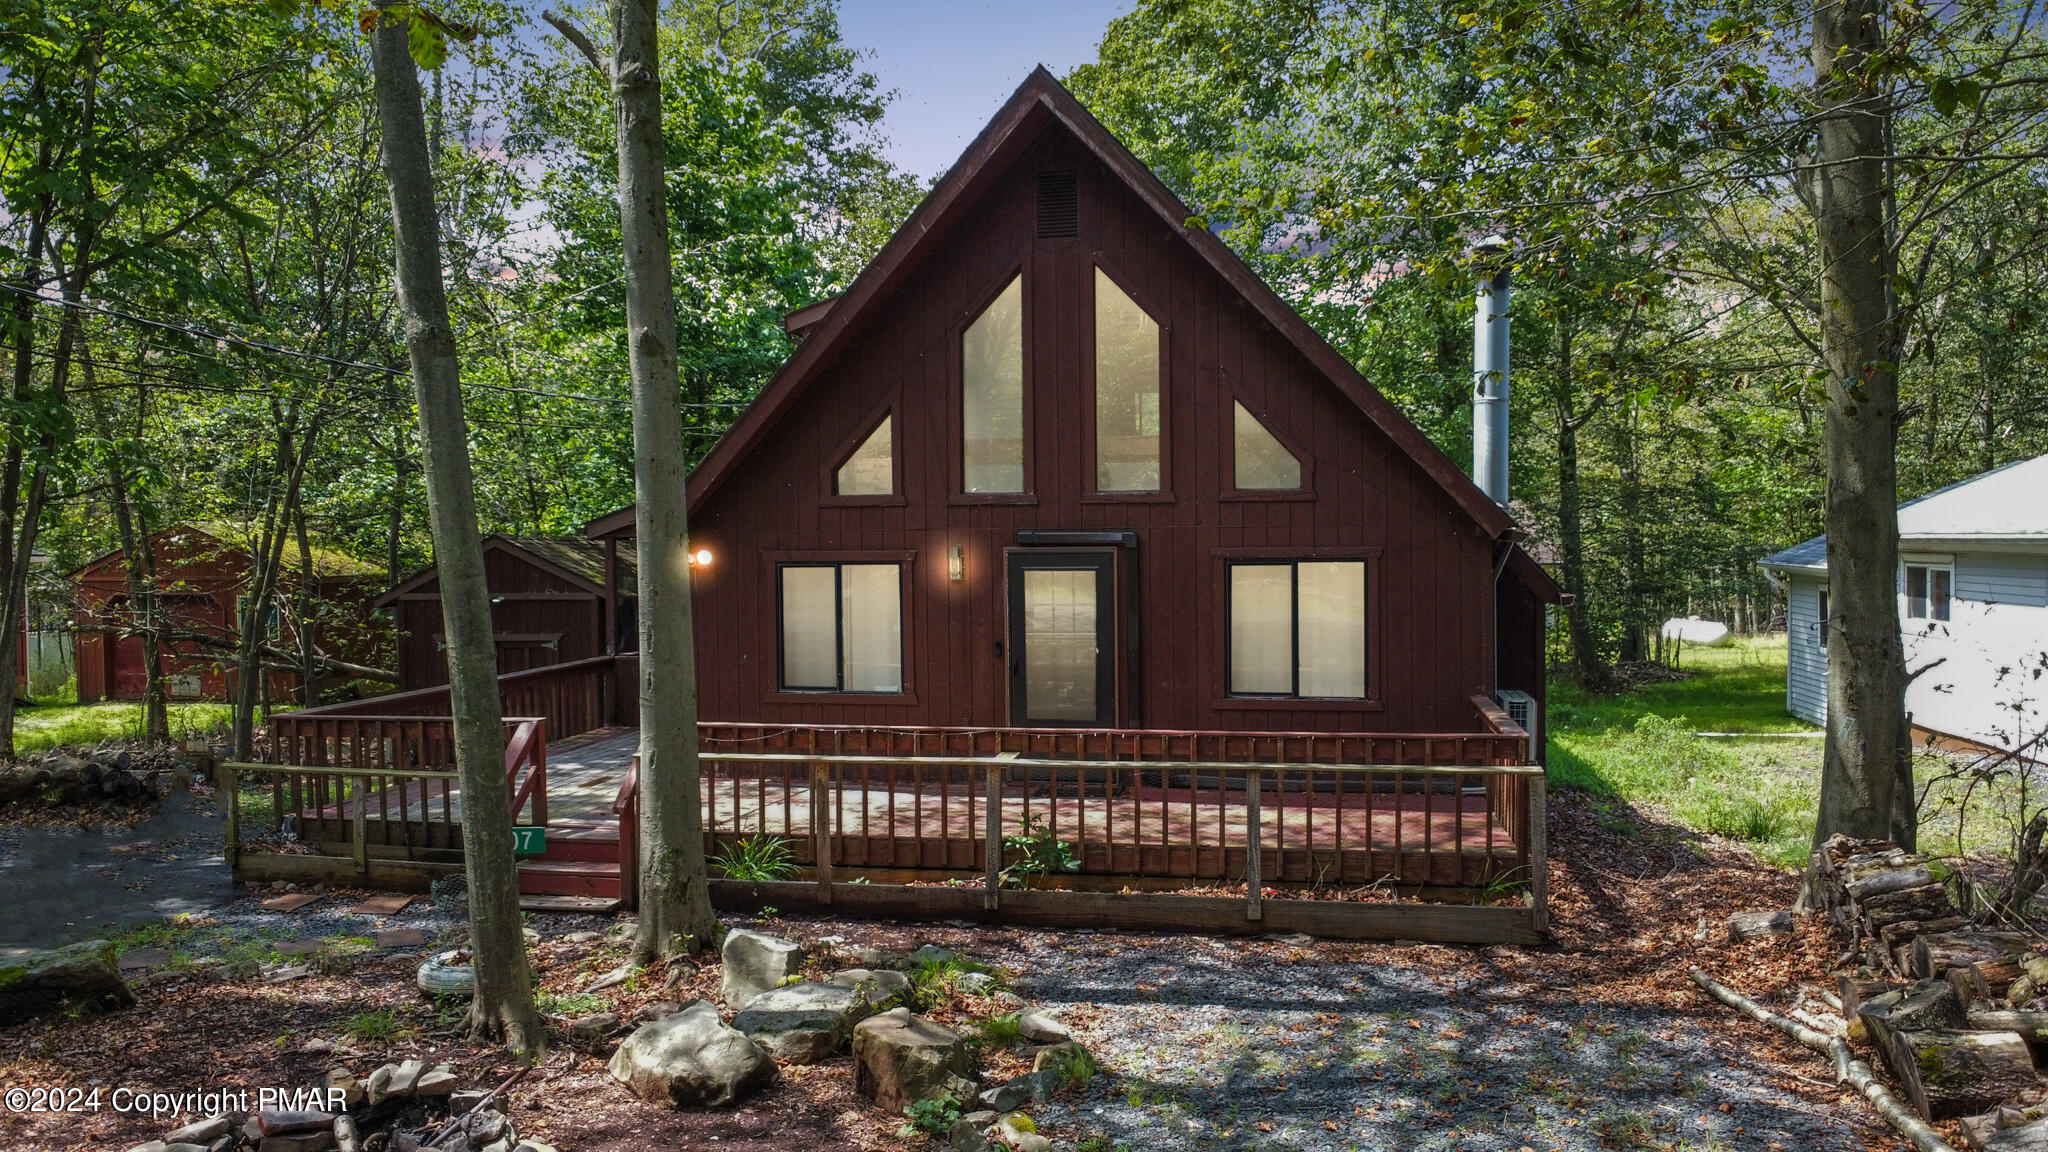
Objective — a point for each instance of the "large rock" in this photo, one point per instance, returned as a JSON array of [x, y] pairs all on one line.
[[900, 1058], [878, 986], [802, 1023], [691, 1060], [754, 962], [47, 983]]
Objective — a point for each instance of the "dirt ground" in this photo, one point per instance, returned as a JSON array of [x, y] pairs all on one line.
[[1635, 903]]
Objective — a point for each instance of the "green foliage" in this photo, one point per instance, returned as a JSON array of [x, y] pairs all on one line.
[[758, 859], [932, 981], [932, 1117], [569, 1004], [375, 1026], [1073, 1065], [997, 1032], [1044, 854]]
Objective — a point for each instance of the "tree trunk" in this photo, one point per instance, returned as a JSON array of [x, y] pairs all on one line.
[[503, 1006], [306, 606], [1571, 531], [675, 902], [1866, 774], [145, 601]]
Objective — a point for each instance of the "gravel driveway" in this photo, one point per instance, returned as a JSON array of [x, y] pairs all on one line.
[[1217, 1044]]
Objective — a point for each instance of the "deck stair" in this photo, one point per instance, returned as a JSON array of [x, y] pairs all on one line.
[[581, 862]]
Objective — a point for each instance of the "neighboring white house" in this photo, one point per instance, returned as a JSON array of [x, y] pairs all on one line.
[[1973, 595]]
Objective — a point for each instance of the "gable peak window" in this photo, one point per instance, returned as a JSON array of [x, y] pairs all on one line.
[[871, 469], [1263, 463], [1297, 629], [992, 395], [841, 627], [1126, 392], [1929, 591]]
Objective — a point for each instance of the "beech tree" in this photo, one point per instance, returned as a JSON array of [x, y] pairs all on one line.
[[503, 1007]]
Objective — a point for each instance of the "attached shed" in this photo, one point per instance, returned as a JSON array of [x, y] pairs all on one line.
[[1058, 459], [202, 573], [549, 605], [1973, 610]]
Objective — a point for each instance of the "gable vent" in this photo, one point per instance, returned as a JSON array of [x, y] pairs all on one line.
[[1056, 211]]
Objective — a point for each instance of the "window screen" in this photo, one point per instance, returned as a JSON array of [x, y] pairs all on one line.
[[1297, 628], [842, 627], [1126, 392], [992, 395]]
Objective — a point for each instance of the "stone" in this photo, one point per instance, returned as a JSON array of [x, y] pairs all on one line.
[[57, 980], [691, 1060], [1069, 1064], [970, 1132], [533, 1146], [464, 1102], [656, 1009], [754, 962], [869, 956], [974, 983], [485, 1126], [931, 954], [590, 1031], [203, 1131], [583, 937], [900, 1058], [878, 986], [440, 1081], [321, 1140], [1042, 1028], [344, 1081], [1030, 1088], [1750, 925], [1019, 1132], [802, 1023], [278, 1122], [1009, 1000], [346, 1139], [150, 1146]]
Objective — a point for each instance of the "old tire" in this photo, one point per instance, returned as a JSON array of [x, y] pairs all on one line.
[[443, 975]]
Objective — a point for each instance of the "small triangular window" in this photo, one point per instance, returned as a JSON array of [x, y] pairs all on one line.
[[871, 469], [1263, 463]]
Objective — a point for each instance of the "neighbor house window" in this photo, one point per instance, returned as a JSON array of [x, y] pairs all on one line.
[[1263, 463], [1823, 624], [842, 627], [1928, 588], [1126, 392], [1297, 628], [992, 395], [871, 470]]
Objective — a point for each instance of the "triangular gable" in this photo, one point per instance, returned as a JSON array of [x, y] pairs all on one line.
[[1038, 102], [497, 542], [98, 564]]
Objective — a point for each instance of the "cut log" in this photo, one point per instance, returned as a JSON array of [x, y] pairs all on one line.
[[1906, 931], [1984, 980], [1750, 925], [1934, 954], [1854, 991], [1929, 902], [2026, 1138], [1927, 1006], [1889, 880], [2031, 1023], [1949, 1073]]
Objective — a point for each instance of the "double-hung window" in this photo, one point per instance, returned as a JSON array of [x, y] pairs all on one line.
[[1297, 629], [1929, 587], [841, 627]]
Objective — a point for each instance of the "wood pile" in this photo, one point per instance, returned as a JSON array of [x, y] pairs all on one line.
[[1957, 1011]]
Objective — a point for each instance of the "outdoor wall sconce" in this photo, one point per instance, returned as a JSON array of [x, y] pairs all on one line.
[[701, 558], [956, 563]]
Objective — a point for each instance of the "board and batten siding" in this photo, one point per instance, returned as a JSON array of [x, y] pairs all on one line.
[[1806, 669], [1978, 681]]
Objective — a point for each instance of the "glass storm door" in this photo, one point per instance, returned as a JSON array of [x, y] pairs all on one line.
[[1062, 639]]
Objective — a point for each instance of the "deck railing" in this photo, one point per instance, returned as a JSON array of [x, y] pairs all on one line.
[[575, 697]]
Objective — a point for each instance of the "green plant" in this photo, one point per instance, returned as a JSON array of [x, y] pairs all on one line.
[[379, 1026], [1043, 853], [1072, 1065], [759, 859], [998, 1032], [933, 1117], [933, 980], [572, 1004]]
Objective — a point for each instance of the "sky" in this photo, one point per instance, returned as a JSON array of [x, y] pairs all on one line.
[[952, 64]]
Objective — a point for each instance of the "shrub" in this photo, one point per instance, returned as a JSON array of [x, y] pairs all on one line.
[[933, 1117], [1044, 854], [759, 859]]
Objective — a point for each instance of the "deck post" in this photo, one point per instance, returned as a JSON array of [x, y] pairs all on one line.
[[992, 832], [1254, 848], [1539, 854], [821, 828], [360, 820]]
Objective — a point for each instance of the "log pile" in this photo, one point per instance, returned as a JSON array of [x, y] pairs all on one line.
[[1956, 1010]]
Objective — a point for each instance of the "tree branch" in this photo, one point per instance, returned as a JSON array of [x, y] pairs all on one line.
[[574, 35]]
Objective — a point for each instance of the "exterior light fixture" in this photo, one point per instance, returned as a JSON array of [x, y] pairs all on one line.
[[701, 558], [956, 563]]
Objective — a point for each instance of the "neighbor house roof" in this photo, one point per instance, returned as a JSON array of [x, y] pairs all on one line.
[[228, 538], [575, 558], [2009, 503]]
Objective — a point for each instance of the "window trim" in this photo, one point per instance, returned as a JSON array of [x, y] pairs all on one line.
[[1018, 268], [905, 564], [1930, 564], [1090, 494], [1371, 701], [889, 409], [1231, 492]]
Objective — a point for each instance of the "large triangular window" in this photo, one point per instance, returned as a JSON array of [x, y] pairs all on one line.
[[871, 469], [1263, 463], [992, 395]]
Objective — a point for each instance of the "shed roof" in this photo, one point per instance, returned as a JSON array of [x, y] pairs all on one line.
[[576, 558], [231, 539], [2008, 503]]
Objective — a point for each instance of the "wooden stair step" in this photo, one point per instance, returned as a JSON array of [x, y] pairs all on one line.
[[570, 878], [587, 905]]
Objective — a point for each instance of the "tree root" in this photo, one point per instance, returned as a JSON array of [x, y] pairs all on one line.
[[1848, 1069]]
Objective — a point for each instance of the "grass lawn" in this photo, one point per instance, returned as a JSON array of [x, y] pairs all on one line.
[[55, 725], [1642, 748]]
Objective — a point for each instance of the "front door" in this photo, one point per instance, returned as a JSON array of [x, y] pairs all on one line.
[[1063, 638]]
